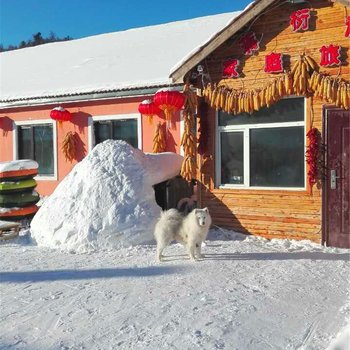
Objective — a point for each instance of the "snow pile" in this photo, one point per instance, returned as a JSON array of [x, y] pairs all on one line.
[[106, 201]]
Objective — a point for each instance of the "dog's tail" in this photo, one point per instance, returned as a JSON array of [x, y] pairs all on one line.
[[171, 214]]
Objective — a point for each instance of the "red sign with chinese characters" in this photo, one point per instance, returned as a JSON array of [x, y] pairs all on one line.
[[249, 43], [274, 63], [347, 23], [299, 20], [230, 69], [330, 55]]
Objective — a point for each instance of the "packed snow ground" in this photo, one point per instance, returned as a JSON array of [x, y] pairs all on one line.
[[247, 293]]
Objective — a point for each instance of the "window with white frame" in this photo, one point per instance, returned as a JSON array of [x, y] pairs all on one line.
[[126, 128], [35, 140], [263, 150]]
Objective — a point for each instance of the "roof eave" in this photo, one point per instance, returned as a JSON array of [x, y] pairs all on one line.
[[240, 21], [82, 97]]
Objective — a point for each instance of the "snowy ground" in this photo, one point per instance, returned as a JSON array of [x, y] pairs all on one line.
[[246, 294]]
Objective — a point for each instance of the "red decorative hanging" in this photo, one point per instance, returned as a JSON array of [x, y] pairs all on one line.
[[299, 20], [249, 43], [330, 55], [274, 63], [149, 109], [347, 31], [312, 155], [169, 101], [60, 114], [230, 69]]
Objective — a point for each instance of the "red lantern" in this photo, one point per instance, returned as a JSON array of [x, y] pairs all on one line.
[[149, 109], [60, 114], [169, 101]]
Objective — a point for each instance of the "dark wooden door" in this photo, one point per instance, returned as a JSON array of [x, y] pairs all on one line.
[[336, 194]]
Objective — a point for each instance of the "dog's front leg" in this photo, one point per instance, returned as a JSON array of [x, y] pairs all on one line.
[[191, 250], [198, 250]]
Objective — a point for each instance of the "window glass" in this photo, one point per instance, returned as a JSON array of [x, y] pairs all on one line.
[[287, 110], [121, 129], [43, 149], [232, 158], [277, 157], [36, 142], [102, 131], [25, 142], [126, 129]]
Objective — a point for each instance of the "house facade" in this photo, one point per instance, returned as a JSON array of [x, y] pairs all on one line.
[[274, 109]]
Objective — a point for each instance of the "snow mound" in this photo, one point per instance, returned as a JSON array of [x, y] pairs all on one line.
[[106, 201]]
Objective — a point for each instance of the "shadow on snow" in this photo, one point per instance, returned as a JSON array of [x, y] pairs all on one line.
[[59, 275], [279, 256]]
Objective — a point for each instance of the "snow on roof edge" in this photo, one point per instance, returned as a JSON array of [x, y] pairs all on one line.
[[199, 48]]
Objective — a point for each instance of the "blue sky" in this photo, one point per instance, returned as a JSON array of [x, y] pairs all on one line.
[[19, 19]]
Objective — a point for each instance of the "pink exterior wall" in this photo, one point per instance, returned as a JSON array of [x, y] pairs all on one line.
[[81, 112]]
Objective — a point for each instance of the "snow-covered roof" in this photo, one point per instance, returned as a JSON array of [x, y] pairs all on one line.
[[131, 59]]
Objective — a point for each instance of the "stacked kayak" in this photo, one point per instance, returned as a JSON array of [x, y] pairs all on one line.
[[17, 194]]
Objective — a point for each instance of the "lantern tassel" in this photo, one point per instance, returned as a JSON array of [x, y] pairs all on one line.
[[150, 119]]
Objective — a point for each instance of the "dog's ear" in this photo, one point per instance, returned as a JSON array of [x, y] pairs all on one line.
[[196, 211], [206, 209]]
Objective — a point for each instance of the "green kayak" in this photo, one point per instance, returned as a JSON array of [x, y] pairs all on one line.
[[19, 199], [17, 186]]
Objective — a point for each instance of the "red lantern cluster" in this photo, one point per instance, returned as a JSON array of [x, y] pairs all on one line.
[[169, 101], [149, 109], [166, 100], [312, 155], [60, 114]]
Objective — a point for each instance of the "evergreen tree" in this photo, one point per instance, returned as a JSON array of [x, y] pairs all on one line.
[[37, 39]]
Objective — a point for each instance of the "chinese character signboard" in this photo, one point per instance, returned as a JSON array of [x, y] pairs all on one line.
[[230, 69], [299, 20], [274, 63], [330, 55], [249, 43]]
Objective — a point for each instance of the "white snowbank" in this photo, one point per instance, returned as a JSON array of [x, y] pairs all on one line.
[[106, 201], [18, 165]]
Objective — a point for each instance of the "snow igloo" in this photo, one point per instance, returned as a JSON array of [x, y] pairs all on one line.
[[106, 201]]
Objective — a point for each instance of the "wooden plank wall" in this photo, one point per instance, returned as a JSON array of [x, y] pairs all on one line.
[[271, 213]]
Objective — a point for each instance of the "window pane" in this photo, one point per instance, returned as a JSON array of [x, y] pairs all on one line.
[[287, 110], [43, 149], [126, 129], [277, 157], [102, 131], [232, 158], [25, 142]]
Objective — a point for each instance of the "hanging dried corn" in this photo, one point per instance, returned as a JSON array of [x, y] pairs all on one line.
[[159, 138], [189, 140], [303, 79]]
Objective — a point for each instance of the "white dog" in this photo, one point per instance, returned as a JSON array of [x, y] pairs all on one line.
[[190, 230]]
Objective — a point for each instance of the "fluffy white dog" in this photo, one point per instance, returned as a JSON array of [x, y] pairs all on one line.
[[190, 230]]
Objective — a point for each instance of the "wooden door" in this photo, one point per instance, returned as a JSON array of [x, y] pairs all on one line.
[[336, 194]]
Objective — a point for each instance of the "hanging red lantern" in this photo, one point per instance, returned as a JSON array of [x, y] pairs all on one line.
[[60, 114], [169, 101], [149, 109]]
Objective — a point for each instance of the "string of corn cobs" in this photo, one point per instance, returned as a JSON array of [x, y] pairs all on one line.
[[189, 139], [303, 79], [159, 138], [69, 146]]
